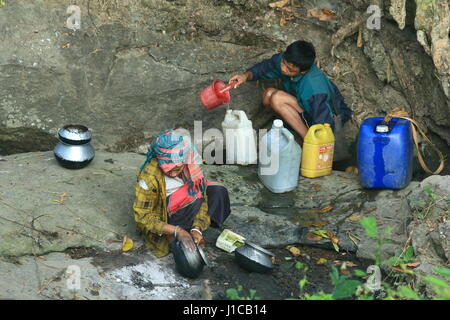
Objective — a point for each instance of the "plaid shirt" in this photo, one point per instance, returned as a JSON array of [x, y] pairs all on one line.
[[150, 209]]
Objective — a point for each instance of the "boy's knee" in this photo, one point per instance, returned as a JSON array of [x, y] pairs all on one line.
[[267, 95]]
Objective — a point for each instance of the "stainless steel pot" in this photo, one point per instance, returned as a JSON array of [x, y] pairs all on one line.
[[254, 258], [74, 150]]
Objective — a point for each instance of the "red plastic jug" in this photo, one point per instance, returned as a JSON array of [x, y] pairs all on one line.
[[216, 94]]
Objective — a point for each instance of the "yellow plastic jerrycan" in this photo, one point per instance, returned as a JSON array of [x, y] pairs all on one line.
[[318, 149]]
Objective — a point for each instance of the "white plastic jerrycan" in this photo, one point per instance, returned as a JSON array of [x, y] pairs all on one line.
[[279, 159], [240, 139]]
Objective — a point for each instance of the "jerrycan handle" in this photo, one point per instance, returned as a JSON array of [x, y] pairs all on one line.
[[285, 132], [240, 115]]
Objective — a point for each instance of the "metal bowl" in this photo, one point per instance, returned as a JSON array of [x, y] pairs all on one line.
[[188, 263], [74, 134], [254, 258]]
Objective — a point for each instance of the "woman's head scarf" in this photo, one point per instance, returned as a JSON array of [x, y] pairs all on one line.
[[172, 149]]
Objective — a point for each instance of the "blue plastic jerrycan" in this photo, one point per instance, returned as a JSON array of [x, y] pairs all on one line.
[[279, 159], [385, 153]]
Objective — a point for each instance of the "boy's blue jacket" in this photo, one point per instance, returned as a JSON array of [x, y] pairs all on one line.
[[316, 94]]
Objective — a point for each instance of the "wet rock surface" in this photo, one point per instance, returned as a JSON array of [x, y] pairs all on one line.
[[54, 218], [136, 67]]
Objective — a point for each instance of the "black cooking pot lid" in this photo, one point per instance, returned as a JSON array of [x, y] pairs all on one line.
[[255, 246]]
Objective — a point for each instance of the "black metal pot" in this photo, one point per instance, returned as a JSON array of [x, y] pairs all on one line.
[[188, 263], [254, 258], [74, 150]]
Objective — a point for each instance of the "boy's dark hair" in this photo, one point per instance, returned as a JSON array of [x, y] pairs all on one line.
[[300, 53]]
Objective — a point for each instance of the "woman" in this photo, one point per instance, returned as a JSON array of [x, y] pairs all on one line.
[[173, 198]]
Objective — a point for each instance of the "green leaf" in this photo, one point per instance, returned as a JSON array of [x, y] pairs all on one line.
[[370, 225], [336, 247], [409, 254], [319, 296], [428, 190], [299, 265], [346, 289], [442, 271], [322, 233], [232, 294], [334, 275], [437, 282], [302, 283], [408, 293], [359, 273]]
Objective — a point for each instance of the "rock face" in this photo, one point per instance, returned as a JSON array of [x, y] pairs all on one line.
[[136, 67], [47, 211], [430, 230], [92, 207]]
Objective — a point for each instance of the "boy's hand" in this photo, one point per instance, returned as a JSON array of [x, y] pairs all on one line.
[[240, 79]]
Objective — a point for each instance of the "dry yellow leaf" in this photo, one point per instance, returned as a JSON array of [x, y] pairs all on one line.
[[352, 170], [65, 46], [326, 209], [355, 217], [322, 15], [282, 22], [127, 244], [319, 224], [360, 39], [313, 237], [317, 187], [294, 250], [279, 4], [413, 264], [322, 261]]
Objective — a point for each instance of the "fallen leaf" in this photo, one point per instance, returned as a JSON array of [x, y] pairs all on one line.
[[317, 187], [321, 233], [355, 217], [278, 4], [322, 261], [282, 22], [413, 264], [294, 250], [345, 272], [319, 224], [359, 43], [65, 46], [127, 244], [350, 264], [313, 237], [318, 66], [326, 209], [334, 239], [335, 246], [352, 170], [322, 15]]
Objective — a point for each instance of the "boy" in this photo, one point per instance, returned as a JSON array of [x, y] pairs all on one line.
[[308, 98]]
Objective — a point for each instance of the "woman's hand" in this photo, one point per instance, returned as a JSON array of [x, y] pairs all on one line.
[[240, 79], [198, 237], [186, 239]]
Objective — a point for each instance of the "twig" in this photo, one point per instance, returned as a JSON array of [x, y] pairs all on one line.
[[83, 234]]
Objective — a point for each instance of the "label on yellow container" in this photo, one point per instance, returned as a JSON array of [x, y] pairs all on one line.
[[325, 160]]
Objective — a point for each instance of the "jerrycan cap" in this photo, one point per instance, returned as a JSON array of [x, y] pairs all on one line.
[[382, 128], [277, 123]]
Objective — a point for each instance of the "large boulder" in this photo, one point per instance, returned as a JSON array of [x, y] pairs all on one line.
[[137, 67]]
